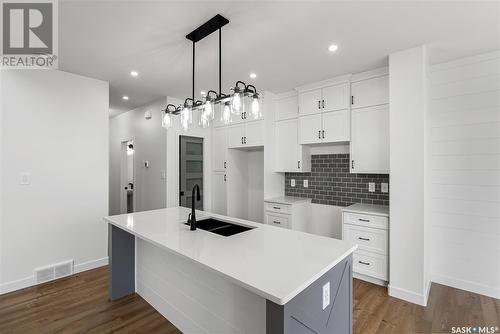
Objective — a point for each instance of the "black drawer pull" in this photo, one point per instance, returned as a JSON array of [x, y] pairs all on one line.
[[365, 239], [274, 221], [276, 207], [365, 263], [364, 220]]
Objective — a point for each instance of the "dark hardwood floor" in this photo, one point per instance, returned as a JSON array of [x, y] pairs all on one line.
[[79, 304]]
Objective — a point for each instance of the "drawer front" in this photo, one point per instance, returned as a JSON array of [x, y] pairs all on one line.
[[277, 207], [367, 238], [370, 264], [366, 220], [277, 220]]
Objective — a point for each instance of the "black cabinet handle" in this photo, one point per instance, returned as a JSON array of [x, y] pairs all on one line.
[[365, 263], [352, 164], [245, 140], [298, 164], [274, 221], [364, 220], [242, 140], [323, 104], [319, 104], [319, 134], [323, 134], [276, 207], [224, 164], [352, 99], [365, 239], [224, 177]]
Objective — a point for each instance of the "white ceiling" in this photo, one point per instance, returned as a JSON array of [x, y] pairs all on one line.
[[285, 43]]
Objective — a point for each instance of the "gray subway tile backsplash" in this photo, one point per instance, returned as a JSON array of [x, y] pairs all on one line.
[[331, 183]]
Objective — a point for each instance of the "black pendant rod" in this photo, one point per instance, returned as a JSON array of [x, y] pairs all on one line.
[[220, 62], [194, 43]]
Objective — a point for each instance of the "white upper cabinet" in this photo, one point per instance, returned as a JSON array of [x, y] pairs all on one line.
[[310, 102], [287, 107], [290, 155], [370, 92], [254, 134], [370, 140], [335, 126], [235, 135], [310, 129], [335, 97], [219, 148]]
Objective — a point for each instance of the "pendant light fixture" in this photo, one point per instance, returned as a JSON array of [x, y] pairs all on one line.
[[233, 103]]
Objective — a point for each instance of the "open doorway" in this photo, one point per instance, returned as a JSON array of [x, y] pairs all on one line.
[[190, 169], [127, 182]]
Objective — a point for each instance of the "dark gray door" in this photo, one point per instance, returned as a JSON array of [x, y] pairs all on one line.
[[190, 169]]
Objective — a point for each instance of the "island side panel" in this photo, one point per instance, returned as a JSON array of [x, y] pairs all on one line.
[[121, 252], [305, 313]]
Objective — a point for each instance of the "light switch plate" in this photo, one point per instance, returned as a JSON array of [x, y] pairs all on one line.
[[384, 187], [306, 183], [292, 182], [371, 187], [25, 179], [326, 295]]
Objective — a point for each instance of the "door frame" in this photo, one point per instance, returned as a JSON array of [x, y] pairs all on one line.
[[122, 197]]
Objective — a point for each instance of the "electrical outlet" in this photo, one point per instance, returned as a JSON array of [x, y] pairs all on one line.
[[384, 187], [306, 183], [292, 182], [371, 187], [25, 179], [326, 295]]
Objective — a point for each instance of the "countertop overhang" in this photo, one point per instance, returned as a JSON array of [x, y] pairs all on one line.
[[273, 262]]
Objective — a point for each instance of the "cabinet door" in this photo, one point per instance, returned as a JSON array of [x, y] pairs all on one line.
[[336, 126], [219, 203], [235, 134], [370, 92], [219, 148], [370, 140], [310, 129], [287, 143], [287, 108], [239, 118], [254, 133], [310, 102], [335, 97]]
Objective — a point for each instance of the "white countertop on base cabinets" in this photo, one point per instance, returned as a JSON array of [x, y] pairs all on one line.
[[274, 263], [369, 209], [287, 200]]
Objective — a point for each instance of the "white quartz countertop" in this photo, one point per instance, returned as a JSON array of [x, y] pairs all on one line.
[[379, 210], [287, 200], [273, 262]]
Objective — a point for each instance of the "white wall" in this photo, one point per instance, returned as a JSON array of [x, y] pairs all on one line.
[[54, 125], [407, 85], [149, 144], [464, 173]]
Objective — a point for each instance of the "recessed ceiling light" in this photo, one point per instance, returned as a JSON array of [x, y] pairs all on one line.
[[333, 48], [253, 75], [134, 73], [125, 97]]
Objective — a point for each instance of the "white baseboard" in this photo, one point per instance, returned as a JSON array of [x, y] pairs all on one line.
[[29, 281], [409, 296], [461, 284], [369, 279]]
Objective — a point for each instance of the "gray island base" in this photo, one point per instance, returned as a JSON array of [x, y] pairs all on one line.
[[200, 300]]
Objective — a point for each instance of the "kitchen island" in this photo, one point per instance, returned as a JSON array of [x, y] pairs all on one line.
[[266, 279]]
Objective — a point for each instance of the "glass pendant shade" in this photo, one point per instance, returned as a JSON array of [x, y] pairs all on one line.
[[208, 109], [186, 118], [255, 108], [226, 113], [236, 103], [166, 121]]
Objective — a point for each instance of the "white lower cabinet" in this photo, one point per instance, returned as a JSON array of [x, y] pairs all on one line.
[[287, 212], [219, 197], [371, 233]]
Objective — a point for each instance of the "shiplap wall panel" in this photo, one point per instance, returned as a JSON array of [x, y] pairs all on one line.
[[464, 173]]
